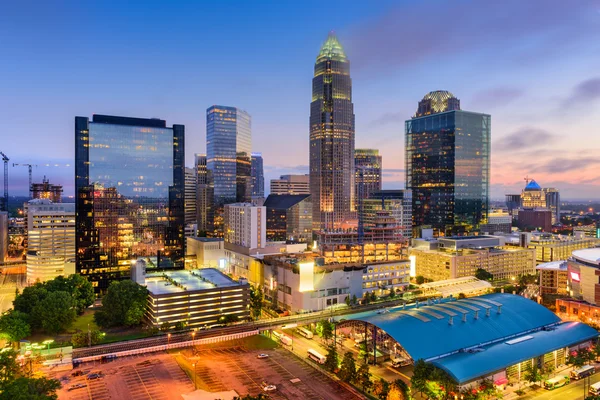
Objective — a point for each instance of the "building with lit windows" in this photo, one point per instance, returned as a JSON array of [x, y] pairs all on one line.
[[367, 176], [553, 277], [258, 176], [331, 148], [196, 298], [462, 256], [228, 152], [397, 202], [549, 247], [289, 218], [50, 240], [534, 197], [497, 221], [448, 164], [190, 196], [129, 188], [245, 225], [204, 196], [46, 190], [290, 184], [582, 279]]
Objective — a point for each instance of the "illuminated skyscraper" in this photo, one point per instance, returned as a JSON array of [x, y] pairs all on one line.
[[367, 177], [332, 137], [448, 164], [204, 196], [258, 177], [228, 152], [129, 187]]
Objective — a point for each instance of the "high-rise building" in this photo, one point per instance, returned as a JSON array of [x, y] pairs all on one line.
[[228, 151], [50, 240], [448, 164], [332, 138], [190, 195], [290, 184], [397, 202], [534, 196], [245, 225], [289, 218], [367, 176], [553, 203], [258, 177], [129, 186], [46, 190], [513, 202], [204, 196]]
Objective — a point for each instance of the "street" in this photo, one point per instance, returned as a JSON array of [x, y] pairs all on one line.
[[10, 279], [572, 391]]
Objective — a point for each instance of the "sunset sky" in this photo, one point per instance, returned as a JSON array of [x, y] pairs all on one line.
[[532, 65]]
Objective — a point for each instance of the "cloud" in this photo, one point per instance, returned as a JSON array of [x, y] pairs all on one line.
[[588, 90], [389, 118], [495, 97], [524, 139], [564, 164], [412, 32]]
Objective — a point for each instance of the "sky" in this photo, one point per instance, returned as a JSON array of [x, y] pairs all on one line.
[[532, 65]]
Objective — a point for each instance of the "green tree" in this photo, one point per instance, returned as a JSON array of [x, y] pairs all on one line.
[[180, 325], [28, 299], [419, 279], [533, 374], [347, 300], [381, 388], [123, 305], [331, 359], [165, 326], [373, 296], [363, 351], [82, 339], [348, 368], [392, 293], [484, 275], [260, 396], [56, 312], [395, 393], [14, 325], [228, 319], [256, 302], [354, 299], [403, 387], [30, 389], [421, 373], [363, 377], [596, 349], [326, 329], [80, 289], [8, 366]]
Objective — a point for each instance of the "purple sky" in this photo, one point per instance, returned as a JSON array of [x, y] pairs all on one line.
[[532, 65]]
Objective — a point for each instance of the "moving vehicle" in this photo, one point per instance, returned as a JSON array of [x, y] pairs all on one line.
[[583, 372], [77, 386], [285, 340], [556, 382], [595, 389], [400, 362], [305, 332], [316, 356], [262, 355]]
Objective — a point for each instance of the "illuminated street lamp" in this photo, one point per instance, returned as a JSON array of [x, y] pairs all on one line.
[[193, 337], [168, 339], [194, 366], [48, 343]]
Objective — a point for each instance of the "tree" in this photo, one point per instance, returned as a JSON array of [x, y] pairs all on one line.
[[363, 351], [462, 296], [533, 374], [256, 302], [373, 296], [82, 339], [347, 301], [331, 359], [419, 279], [354, 299], [595, 349], [381, 388], [80, 289], [348, 369], [421, 373], [228, 319], [123, 305], [14, 325], [165, 326], [363, 377], [392, 293], [56, 312], [8, 366], [325, 328], [484, 275], [29, 298], [260, 396], [30, 389], [395, 393]]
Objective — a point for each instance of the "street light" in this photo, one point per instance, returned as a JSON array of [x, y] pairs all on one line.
[[194, 366], [168, 340], [193, 337]]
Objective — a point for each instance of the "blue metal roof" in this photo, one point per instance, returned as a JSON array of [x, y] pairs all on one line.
[[425, 332], [533, 185], [465, 367]]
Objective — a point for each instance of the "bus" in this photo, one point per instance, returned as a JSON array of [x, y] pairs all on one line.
[[557, 382], [595, 389], [583, 372], [313, 355], [285, 340], [305, 332]]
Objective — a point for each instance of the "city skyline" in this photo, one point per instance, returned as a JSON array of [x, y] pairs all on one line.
[[542, 102]]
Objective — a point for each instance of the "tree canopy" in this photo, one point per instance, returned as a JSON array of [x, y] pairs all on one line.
[[14, 325], [123, 305], [348, 369], [15, 386], [256, 302]]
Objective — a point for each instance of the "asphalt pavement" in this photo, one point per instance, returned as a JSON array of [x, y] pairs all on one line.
[[572, 391]]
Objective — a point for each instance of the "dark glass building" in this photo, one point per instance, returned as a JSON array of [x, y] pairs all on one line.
[[129, 185], [367, 176], [204, 197], [448, 164], [258, 177], [332, 138], [289, 218], [228, 152]]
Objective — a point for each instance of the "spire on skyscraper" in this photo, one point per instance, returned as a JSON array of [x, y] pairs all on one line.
[[332, 49]]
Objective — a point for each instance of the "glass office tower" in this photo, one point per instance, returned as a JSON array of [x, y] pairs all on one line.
[[367, 175], [448, 164], [332, 138], [129, 185], [258, 176], [228, 152]]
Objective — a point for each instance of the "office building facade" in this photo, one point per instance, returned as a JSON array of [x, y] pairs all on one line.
[[190, 195], [289, 218], [258, 176], [290, 184], [50, 240], [129, 187], [331, 150], [397, 202], [204, 196], [245, 225], [448, 164], [367, 175], [228, 152]]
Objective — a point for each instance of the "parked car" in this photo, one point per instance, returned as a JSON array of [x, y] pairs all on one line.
[[78, 373], [269, 388], [91, 377], [262, 355], [77, 386]]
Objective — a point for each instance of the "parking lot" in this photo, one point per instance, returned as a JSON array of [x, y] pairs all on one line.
[[154, 376]]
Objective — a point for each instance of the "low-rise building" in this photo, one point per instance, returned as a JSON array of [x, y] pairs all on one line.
[[195, 298], [467, 286], [549, 247], [538, 218], [553, 277], [206, 252], [497, 221], [397, 202]]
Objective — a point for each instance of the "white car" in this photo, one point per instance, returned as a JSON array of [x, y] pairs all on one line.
[[260, 356], [269, 388]]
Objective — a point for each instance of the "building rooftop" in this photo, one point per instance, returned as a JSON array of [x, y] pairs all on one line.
[[206, 239], [284, 201], [553, 266], [449, 287], [332, 49], [591, 256], [532, 185], [187, 280]]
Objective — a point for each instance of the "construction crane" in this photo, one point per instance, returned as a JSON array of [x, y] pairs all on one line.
[[5, 203], [30, 166]]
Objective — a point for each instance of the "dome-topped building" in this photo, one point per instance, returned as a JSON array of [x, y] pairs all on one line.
[[438, 101]]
